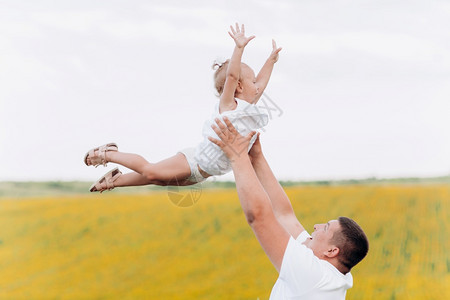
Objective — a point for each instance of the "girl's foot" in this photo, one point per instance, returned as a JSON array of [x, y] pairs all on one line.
[[97, 156], [106, 182]]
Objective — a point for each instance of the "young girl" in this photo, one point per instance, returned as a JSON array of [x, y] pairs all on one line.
[[238, 89]]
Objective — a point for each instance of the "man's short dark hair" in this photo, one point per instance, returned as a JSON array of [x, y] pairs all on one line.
[[352, 242]]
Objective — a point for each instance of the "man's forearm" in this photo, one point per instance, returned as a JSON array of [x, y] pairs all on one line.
[[253, 197], [271, 234], [280, 202]]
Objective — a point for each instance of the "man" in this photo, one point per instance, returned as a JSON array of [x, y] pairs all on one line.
[[310, 267]]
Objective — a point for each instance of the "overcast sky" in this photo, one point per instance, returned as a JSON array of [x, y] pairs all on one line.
[[363, 86]]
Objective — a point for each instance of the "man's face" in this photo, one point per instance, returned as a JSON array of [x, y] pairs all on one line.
[[320, 241]]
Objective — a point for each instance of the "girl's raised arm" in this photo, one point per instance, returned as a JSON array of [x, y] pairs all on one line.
[[234, 68], [264, 74]]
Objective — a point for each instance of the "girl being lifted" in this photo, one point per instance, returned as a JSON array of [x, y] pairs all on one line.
[[239, 91]]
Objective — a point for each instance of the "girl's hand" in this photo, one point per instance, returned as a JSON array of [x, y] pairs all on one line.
[[274, 55], [232, 143], [238, 35]]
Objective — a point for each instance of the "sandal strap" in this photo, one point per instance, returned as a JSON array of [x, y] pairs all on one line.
[[102, 154], [95, 160], [98, 187], [100, 157], [108, 180], [109, 183], [112, 178]]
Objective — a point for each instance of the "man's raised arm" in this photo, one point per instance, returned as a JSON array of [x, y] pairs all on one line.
[[255, 202], [280, 202]]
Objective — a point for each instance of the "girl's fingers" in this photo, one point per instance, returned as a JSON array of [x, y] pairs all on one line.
[[232, 29], [243, 28], [237, 27], [274, 44]]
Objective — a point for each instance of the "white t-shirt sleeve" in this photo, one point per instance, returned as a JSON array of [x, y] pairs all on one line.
[[300, 268]]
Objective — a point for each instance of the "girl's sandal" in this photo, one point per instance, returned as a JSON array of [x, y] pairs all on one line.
[[97, 156], [106, 182]]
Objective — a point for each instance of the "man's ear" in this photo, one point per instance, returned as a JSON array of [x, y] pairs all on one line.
[[333, 251]]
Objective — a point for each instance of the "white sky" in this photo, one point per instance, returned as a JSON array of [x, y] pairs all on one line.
[[364, 85]]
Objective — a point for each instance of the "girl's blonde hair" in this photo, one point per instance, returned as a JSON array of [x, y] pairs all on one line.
[[220, 75]]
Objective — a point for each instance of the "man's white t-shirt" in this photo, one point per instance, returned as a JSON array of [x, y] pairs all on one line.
[[304, 276]]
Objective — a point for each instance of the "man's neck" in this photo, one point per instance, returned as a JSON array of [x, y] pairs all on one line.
[[340, 267]]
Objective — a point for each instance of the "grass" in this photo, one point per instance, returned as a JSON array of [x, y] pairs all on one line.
[[142, 246]]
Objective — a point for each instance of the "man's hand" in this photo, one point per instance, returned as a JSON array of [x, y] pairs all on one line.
[[238, 35], [232, 143], [274, 55]]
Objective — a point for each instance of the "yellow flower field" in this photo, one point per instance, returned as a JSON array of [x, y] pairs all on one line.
[[118, 246]]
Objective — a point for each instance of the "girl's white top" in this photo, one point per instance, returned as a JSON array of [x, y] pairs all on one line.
[[245, 118]]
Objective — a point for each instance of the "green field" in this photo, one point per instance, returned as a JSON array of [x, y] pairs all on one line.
[[142, 246]]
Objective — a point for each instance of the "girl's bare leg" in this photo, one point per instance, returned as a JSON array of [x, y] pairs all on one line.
[[136, 179], [172, 169]]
